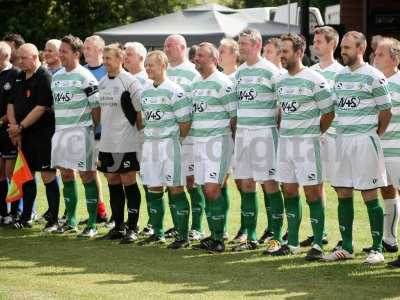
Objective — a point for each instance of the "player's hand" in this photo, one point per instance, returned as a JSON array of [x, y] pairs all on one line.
[[16, 140], [13, 130]]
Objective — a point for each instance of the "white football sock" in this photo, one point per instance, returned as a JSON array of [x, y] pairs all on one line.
[[391, 221]]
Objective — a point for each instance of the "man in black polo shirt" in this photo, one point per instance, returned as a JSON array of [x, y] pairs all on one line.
[[7, 150], [31, 128]]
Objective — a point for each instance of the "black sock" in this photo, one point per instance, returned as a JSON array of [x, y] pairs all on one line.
[[53, 200], [29, 190], [15, 207], [117, 202], [133, 197], [3, 195]]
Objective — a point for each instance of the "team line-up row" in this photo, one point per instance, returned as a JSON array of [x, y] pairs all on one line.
[[175, 122]]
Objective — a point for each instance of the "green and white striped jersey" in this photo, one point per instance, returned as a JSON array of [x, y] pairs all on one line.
[[232, 77], [360, 95], [303, 97], [391, 139], [255, 91], [184, 74], [75, 94], [329, 74], [164, 107], [214, 105]]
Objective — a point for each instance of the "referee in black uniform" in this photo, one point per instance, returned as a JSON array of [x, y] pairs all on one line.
[[31, 128], [8, 151]]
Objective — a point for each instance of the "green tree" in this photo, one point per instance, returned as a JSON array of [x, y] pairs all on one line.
[[40, 20]]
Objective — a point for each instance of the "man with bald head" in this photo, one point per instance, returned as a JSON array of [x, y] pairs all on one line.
[[8, 152], [184, 73], [31, 127], [51, 55]]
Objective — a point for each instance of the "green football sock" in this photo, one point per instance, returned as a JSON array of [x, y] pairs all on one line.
[[277, 211], [317, 218], [267, 202], [225, 196], [198, 204], [91, 195], [182, 215], [217, 209], [375, 214], [294, 215], [242, 228], [172, 208], [209, 217], [157, 211], [346, 217], [70, 193], [250, 212]]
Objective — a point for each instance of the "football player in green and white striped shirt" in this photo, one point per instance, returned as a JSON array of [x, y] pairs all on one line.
[[363, 113], [307, 111], [387, 58], [77, 110], [184, 73], [214, 115], [167, 116], [228, 58], [326, 40], [256, 139]]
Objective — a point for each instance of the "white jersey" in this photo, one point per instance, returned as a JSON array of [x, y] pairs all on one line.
[[142, 77], [232, 77], [118, 135]]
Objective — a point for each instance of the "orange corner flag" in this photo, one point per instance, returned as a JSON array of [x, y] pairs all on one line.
[[20, 175]]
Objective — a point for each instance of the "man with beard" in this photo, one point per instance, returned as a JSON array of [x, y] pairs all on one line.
[[363, 113], [307, 111]]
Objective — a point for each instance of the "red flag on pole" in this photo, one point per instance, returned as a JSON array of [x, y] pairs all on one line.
[[20, 175]]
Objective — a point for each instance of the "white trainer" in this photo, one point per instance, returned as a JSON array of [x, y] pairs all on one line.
[[337, 255], [374, 257]]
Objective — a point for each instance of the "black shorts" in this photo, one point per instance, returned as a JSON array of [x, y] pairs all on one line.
[[117, 162], [36, 147], [7, 149]]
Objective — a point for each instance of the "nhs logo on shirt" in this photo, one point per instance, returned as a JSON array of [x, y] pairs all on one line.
[[348, 102], [153, 115], [247, 95]]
